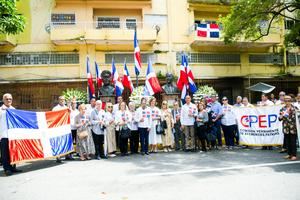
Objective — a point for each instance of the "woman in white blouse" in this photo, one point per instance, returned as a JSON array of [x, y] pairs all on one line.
[[122, 119], [135, 137], [154, 139], [228, 122], [110, 130]]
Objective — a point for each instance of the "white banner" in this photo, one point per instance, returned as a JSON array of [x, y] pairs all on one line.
[[259, 126]]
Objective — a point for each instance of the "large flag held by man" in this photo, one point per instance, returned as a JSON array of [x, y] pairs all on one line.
[[91, 88], [137, 55], [117, 80], [152, 84], [38, 135], [126, 79]]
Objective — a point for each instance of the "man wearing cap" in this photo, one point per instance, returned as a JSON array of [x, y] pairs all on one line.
[[287, 115], [280, 101]]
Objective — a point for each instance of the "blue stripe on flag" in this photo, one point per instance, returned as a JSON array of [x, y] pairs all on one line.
[[61, 144], [202, 25], [21, 119], [214, 34]]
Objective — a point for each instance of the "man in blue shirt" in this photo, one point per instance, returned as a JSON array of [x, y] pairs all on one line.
[[217, 112]]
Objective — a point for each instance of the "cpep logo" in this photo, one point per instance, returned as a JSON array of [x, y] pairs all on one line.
[[263, 121]]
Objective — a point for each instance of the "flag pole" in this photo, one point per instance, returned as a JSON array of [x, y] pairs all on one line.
[[137, 74]]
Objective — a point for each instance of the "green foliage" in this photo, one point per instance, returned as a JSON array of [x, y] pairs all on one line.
[[292, 38], [10, 21], [79, 95], [254, 19]]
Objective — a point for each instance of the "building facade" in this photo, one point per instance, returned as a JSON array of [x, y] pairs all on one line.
[[50, 55]]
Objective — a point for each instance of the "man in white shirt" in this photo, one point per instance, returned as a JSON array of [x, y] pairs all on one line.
[[8, 168], [90, 107], [187, 120], [143, 117], [265, 100], [297, 103], [280, 101]]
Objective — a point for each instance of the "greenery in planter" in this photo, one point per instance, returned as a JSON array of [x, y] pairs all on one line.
[[79, 95], [204, 91], [137, 95]]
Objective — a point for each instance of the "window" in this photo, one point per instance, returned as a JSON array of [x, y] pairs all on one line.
[[211, 58], [131, 23], [289, 24], [275, 59], [108, 22], [63, 19], [120, 57], [48, 58]]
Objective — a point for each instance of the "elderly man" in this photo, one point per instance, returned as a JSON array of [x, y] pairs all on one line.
[[187, 120], [217, 113], [8, 168], [280, 101]]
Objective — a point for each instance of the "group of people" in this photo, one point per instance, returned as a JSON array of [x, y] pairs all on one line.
[[101, 130]]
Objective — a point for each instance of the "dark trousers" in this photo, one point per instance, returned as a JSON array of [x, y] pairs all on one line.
[[178, 137], [229, 134], [237, 134], [144, 139], [74, 134], [123, 145], [202, 135], [98, 141], [5, 155], [217, 129], [291, 144], [134, 142], [284, 146], [118, 139], [0, 154]]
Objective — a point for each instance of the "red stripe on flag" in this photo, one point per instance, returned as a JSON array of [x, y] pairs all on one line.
[[57, 118], [202, 33], [214, 26], [155, 85], [28, 149]]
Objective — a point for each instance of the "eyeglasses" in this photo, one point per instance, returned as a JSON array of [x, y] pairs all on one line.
[[8, 99], [224, 99], [109, 106]]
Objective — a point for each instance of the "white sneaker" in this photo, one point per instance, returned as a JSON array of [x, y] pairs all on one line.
[[112, 155], [165, 150]]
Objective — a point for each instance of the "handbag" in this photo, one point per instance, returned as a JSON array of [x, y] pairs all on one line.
[[82, 134], [125, 132], [164, 124], [159, 129]]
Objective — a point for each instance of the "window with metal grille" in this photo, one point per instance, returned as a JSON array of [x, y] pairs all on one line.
[[26, 98], [108, 22], [289, 24], [39, 58], [276, 59], [120, 58], [131, 23], [211, 58], [62, 19], [293, 59]]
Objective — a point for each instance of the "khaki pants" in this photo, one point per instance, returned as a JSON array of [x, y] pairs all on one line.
[[189, 133]]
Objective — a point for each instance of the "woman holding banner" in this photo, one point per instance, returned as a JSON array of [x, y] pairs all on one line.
[[288, 117]]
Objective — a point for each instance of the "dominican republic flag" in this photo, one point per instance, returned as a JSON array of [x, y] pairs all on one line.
[[126, 79], [152, 84], [117, 80], [38, 135], [137, 55], [99, 81], [91, 87], [208, 30], [186, 78]]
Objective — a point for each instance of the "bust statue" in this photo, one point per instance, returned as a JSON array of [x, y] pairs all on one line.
[[170, 88], [107, 89]]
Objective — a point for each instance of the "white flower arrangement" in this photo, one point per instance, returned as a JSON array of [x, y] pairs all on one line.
[[137, 94], [204, 91]]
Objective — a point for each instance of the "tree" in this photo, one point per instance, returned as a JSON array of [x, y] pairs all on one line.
[[11, 22], [254, 19]]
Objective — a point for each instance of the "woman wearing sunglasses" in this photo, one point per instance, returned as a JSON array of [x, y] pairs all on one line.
[[287, 115], [110, 130]]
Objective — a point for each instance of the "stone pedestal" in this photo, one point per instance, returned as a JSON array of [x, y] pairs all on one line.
[[170, 98]]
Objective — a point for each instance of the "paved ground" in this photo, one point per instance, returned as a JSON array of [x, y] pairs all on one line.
[[239, 174]]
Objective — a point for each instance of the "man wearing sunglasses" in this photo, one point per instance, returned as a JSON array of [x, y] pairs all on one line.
[[287, 115], [8, 168]]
